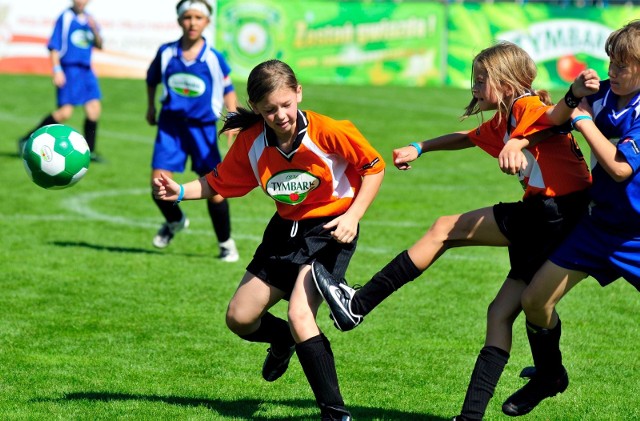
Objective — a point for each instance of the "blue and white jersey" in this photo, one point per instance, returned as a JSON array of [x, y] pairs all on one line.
[[193, 90], [72, 38], [617, 204]]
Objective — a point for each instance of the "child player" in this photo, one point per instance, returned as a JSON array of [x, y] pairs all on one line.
[[195, 86], [606, 242]]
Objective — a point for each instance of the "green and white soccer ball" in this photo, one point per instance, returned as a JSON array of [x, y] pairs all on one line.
[[56, 156]]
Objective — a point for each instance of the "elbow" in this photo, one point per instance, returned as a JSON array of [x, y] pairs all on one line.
[[621, 174]]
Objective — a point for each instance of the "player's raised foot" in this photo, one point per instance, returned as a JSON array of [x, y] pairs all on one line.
[[535, 391], [168, 230], [338, 296], [228, 251], [276, 363]]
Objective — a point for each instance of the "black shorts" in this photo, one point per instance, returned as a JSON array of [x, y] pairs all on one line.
[[535, 226], [286, 245]]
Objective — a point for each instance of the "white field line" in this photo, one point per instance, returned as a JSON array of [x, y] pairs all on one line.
[[81, 209]]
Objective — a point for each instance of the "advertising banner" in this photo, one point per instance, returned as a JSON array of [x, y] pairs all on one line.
[[561, 43], [132, 32], [365, 43]]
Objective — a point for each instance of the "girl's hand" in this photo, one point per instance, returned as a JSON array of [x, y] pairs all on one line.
[[59, 79], [511, 159], [587, 83], [165, 188], [402, 157], [345, 228]]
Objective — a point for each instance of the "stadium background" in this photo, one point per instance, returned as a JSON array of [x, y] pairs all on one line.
[[410, 43]]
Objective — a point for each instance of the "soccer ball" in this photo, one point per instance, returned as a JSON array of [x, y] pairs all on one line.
[[56, 156]]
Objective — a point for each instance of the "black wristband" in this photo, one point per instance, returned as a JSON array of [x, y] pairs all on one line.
[[571, 100]]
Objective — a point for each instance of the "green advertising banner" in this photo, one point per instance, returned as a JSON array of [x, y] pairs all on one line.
[[333, 42], [562, 41]]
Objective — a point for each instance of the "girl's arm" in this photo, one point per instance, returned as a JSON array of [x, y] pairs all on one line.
[[164, 188], [586, 83], [511, 158], [345, 227], [613, 162], [97, 38], [59, 78], [448, 142], [151, 105]]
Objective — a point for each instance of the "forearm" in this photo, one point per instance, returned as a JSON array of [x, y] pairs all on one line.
[[367, 193], [447, 142], [198, 189], [605, 152], [231, 101]]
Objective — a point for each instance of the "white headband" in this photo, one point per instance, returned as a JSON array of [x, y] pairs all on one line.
[[193, 5]]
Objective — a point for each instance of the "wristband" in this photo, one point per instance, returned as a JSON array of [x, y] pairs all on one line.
[[571, 100], [180, 195], [578, 118], [57, 68], [417, 146]]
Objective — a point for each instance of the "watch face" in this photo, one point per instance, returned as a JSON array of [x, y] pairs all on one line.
[[571, 100]]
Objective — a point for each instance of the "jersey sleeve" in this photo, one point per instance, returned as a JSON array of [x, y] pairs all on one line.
[[154, 72], [234, 176], [526, 115], [55, 41], [343, 138], [226, 71]]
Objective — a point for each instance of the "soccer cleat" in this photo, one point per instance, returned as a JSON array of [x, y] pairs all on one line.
[[168, 230], [338, 296], [535, 391], [228, 251], [334, 413], [275, 365]]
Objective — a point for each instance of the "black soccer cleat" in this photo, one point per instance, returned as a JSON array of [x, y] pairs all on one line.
[[338, 296], [276, 365], [535, 391]]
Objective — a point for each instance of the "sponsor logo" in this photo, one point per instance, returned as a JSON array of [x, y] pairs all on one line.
[[291, 186], [186, 85], [81, 38]]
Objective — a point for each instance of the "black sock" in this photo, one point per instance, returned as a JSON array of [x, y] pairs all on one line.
[[316, 359], [395, 274], [171, 212], [45, 122], [90, 129], [273, 330], [545, 348], [485, 376], [219, 214]]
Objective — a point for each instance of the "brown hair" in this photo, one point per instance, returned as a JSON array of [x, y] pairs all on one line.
[[264, 79], [508, 67], [624, 44]]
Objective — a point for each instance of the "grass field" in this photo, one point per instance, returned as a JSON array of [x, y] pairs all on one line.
[[97, 324]]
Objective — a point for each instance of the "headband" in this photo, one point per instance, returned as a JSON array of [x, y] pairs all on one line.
[[193, 5]]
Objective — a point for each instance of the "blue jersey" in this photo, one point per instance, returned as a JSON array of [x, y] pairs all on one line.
[[617, 204], [191, 90], [73, 39]]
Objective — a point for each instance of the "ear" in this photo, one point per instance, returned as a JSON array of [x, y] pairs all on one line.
[[299, 94]]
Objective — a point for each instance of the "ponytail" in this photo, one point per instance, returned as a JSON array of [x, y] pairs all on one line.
[[241, 119]]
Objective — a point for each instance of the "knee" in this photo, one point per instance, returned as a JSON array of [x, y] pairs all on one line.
[[531, 302], [238, 321], [441, 228], [63, 114], [299, 316], [498, 315]]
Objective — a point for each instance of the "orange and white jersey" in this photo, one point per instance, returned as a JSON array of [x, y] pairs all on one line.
[[555, 165], [320, 176]]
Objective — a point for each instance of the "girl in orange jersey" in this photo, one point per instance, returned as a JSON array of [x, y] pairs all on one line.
[[323, 175], [553, 173]]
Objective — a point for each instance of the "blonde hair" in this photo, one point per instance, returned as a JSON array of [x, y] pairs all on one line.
[[509, 69], [623, 45]]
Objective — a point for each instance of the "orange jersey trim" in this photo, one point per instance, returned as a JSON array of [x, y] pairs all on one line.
[[555, 167], [321, 177]]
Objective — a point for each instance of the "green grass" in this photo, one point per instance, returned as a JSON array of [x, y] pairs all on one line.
[[97, 324]]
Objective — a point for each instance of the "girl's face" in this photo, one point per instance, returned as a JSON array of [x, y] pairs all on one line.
[[624, 77], [280, 111], [79, 5], [193, 23], [482, 92]]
